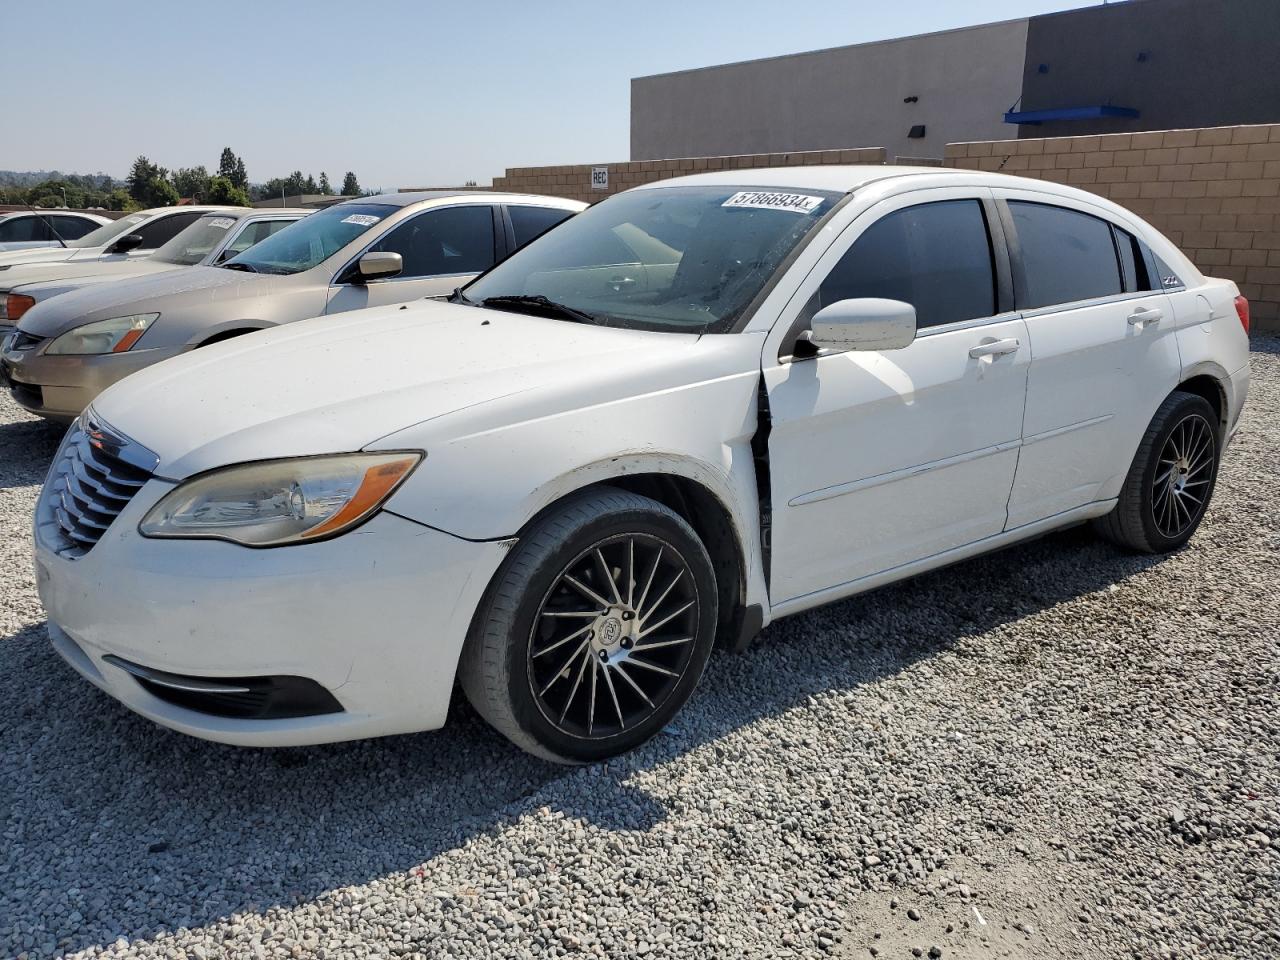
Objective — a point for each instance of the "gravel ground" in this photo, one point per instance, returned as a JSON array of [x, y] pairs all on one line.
[[1057, 751]]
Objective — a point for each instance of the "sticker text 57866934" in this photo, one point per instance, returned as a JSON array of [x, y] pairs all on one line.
[[768, 200]]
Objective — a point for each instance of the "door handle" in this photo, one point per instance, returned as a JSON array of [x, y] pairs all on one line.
[[619, 282], [1146, 315], [995, 348]]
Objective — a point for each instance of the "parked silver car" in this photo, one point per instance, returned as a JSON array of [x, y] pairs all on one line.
[[363, 252], [210, 239], [27, 229], [134, 235]]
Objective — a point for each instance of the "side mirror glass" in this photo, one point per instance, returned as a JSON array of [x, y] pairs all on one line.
[[867, 323], [130, 241], [375, 265]]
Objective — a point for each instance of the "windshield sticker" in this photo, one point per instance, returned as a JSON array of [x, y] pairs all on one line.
[[136, 218], [760, 200], [361, 219], [220, 222]]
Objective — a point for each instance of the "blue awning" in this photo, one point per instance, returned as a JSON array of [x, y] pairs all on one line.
[[1068, 113]]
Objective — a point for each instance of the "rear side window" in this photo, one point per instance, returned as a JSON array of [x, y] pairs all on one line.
[[73, 228], [1066, 255], [530, 222], [935, 256], [21, 230], [160, 231], [440, 242]]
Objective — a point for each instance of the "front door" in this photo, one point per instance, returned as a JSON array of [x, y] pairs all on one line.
[[878, 459], [442, 249], [1105, 352]]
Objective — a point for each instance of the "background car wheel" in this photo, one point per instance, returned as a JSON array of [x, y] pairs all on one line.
[[596, 629], [1171, 480]]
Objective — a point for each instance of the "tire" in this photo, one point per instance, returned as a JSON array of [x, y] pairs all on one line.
[[644, 657], [1158, 510]]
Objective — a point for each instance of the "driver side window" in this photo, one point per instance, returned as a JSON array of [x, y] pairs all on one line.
[[934, 256], [442, 242]]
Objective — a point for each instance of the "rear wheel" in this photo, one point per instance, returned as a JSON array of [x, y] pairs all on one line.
[[1168, 487], [596, 629]]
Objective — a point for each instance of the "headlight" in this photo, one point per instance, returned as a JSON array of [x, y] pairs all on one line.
[[275, 502], [14, 305], [105, 336]]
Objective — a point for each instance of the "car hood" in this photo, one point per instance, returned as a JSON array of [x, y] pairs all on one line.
[[144, 294], [36, 279], [340, 383]]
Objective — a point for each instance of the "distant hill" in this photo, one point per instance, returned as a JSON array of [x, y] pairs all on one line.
[[29, 178]]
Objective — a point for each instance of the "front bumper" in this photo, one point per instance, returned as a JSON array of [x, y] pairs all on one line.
[[60, 387], [376, 617]]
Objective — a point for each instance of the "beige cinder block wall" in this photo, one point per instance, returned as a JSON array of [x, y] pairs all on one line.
[[1215, 192], [574, 181]]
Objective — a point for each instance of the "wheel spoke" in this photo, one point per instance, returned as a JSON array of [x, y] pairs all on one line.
[[645, 615], [634, 686], [576, 683], [648, 630], [591, 704], [637, 662], [608, 575], [571, 613], [562, 642], [564, 666], [585, 590], [649, 583], [608, 679], [657, 644], [631, 571]]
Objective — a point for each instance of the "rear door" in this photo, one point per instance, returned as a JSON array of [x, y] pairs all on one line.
[[1104, 352], [442, 248], [879, 459]]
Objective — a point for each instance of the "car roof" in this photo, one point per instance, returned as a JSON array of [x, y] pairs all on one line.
[[50, 211], [241, 213], [186, 208], [421, 196]]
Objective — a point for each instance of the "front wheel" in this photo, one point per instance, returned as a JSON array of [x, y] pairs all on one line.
[[1168, 487], [595, 630]]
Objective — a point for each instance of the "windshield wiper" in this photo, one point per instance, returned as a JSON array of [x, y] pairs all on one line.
[[539, 302], [459, 297], [247, 268]]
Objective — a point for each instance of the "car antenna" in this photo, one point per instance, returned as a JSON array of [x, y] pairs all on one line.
[[48, 223]]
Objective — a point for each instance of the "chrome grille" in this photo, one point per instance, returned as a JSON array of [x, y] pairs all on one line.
[[96, 474]]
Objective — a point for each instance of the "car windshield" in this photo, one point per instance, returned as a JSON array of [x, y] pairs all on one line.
[[302, 245], [108, 232], [196, 242], [678, 259]]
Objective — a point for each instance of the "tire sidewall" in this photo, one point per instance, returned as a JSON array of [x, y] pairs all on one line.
[[1191, 406], [526, 711]]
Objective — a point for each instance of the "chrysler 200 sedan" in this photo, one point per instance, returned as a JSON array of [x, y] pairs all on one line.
[[358, 253], [698, 406]]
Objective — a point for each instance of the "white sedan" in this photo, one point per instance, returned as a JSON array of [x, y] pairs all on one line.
[[698, 406]]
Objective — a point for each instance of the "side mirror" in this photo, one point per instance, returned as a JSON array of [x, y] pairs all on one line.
[[130, 241], [376, 265], [867, 323]]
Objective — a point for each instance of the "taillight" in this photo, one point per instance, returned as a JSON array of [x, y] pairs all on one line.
[[1242, 311], [16, 304]]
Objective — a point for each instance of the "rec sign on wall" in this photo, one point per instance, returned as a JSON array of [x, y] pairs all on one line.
[[599, 178]]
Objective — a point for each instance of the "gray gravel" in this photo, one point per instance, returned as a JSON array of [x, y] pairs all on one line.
[[1058, 751]]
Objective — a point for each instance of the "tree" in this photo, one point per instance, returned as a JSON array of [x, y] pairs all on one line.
[[140, 177], [192, 182], [350, 185], [324, 184], [223, 191], [231, 168], [310, 186], [159, 193]]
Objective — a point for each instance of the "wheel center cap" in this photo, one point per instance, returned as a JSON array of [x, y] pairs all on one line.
[[610, 632]]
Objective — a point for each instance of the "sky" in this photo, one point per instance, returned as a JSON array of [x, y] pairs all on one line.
[[403, 93]]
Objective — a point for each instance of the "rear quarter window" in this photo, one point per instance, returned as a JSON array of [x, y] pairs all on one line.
[[1066, 255]]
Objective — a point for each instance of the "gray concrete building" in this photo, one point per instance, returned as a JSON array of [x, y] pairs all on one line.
[[1140, 65]]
